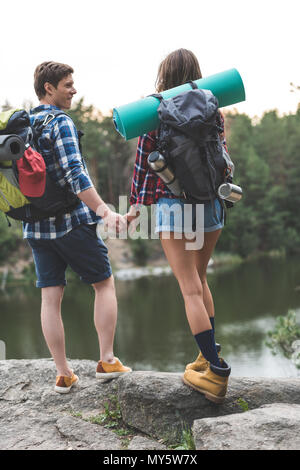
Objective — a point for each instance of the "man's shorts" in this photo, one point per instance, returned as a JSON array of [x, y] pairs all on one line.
[[80, 249], [170, 216]]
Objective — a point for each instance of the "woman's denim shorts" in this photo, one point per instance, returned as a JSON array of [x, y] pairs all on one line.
[[173, 215]]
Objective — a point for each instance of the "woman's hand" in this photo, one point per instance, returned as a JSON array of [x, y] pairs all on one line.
[[131, 217], [132, 214]]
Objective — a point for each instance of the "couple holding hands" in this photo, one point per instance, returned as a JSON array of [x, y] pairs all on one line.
[[72, 239]]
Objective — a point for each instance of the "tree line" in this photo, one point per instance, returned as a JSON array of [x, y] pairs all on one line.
[[266, 157]]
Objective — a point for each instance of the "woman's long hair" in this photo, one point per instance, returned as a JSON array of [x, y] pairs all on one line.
[[176, 69]]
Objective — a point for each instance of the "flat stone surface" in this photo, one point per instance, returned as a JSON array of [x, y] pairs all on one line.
[[143, 443], [270, 427]]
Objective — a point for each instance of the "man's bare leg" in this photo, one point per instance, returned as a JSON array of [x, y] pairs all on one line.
[[53, 328], [105, 317]]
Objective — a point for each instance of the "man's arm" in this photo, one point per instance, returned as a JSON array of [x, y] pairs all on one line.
[[68, 154]]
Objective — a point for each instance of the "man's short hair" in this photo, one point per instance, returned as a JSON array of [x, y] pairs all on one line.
[[51, 72]]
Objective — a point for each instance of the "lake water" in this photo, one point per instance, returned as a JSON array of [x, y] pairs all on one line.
[[152, 331]]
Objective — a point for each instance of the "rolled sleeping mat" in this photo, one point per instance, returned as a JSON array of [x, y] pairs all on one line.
[[137, 118], [12, 147]]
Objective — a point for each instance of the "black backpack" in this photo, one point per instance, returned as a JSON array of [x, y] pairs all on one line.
[[188, 137], [56, 200]]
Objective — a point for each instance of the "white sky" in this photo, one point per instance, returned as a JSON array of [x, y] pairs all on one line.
[[115, 46]]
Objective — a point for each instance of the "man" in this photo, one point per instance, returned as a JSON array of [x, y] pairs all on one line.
[[71, 238]]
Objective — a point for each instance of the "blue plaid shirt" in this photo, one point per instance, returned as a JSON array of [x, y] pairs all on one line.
[[59, 145]]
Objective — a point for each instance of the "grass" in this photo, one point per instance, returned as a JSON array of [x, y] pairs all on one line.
[[111, 418], [243, 404], [187, 441]]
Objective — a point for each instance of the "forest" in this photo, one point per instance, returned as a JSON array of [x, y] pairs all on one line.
[[266, 155]]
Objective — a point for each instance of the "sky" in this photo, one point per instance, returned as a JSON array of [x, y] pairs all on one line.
[[115, 47]]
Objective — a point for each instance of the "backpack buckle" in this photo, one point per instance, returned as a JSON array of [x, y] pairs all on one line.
[[48, 119]]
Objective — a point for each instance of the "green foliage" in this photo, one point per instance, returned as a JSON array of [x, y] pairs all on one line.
[[75, 414], [243, 404], [111, 416], [286, 331], [29, 273], [187, 441], [266, 156], [10, 238], [140, 250]]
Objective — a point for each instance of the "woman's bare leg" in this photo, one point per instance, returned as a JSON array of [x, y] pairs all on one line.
[[202, 258], [183, 264]]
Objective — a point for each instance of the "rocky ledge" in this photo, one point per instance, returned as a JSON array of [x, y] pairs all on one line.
[[142, 410]]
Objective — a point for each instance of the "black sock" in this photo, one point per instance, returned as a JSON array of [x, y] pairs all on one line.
[[207, 345], [212, 322]]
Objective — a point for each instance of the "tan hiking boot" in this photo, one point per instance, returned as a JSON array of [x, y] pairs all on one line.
[[105, 370], [201, 364], [65, 383], [212, 382]]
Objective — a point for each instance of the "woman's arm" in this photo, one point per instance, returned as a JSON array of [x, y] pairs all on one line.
[[146, 145]]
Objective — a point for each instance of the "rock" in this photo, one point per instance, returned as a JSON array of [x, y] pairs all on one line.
[[158, 404], [83, 435], [270, 427], [34, 416], [33, 381], [143, 443]]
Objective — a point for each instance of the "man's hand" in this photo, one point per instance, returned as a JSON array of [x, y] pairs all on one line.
[[113, 222]]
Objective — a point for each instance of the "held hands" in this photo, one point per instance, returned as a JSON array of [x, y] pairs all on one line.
[[113, 222], [132, 218]]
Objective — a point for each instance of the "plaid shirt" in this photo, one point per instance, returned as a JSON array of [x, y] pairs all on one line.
[[59, 145], [147, 187]]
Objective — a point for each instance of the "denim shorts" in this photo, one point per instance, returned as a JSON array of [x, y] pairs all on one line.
[[173, 215], [81, 249]]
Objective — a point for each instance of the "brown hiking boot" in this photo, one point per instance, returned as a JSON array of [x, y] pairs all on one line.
[[212, 382], [201, 364]]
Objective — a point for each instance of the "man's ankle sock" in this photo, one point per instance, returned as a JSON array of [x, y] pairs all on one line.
[[207, 345], [212, 322]]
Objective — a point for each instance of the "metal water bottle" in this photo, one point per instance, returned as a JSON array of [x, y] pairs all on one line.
[[230, 192], [158, 163]]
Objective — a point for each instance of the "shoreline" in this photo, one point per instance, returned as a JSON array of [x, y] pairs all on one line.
[[21, 270]]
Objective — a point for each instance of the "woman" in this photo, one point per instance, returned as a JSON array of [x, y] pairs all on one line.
[[209, 373]]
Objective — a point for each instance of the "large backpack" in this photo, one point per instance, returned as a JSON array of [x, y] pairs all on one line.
[[50, 199], [189, 139]]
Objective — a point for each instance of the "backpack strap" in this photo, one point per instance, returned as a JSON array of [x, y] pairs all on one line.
[[39, 125], [193, 84], [157, 95]]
